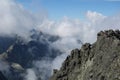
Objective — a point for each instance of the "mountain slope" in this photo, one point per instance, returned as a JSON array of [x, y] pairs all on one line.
[[5, 42], [99, 61], [20, 54], [2, 77]]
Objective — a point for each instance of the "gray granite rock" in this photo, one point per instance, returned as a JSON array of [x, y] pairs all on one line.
[[99, 61]]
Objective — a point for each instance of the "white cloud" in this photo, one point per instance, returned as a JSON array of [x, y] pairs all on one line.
[[30, 75], [94, 17], [43, 68], [15, 19], [83, 30], [56, 64], [112, 22]]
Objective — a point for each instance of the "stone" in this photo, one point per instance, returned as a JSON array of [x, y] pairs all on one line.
[[99, 61]]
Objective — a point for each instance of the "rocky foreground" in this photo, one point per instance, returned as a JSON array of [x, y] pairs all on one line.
[[98, 61]]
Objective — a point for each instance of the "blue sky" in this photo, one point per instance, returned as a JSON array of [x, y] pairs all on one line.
[[57, 9]]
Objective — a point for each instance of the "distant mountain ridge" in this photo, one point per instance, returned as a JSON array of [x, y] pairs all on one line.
[[20, 54], [5, 42], [98, 61]]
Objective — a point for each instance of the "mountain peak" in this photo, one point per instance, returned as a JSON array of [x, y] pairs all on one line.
[[109, 33], [99, 61]]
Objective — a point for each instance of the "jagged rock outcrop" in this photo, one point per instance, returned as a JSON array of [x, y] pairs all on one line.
[[98, 61]]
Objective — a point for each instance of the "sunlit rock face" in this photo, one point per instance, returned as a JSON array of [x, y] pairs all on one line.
[[98, 61]]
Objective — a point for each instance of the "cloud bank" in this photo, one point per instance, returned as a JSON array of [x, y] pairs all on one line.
[[15, 19]]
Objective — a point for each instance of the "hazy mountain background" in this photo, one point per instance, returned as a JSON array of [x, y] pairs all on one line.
[[32, 45]]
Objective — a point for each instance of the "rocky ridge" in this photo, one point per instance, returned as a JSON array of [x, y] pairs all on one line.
[[98, 61]]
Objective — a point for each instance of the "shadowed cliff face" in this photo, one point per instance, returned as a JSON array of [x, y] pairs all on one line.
[[98, 61]]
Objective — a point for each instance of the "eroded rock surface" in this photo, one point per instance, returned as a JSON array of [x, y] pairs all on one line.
[[98, 61]]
